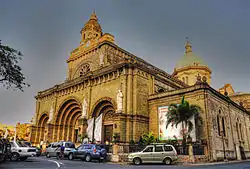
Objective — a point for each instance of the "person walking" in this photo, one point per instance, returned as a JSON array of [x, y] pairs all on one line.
[[60, 156]]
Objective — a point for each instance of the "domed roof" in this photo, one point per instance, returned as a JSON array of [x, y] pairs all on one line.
[[189, 58], [92, 24]]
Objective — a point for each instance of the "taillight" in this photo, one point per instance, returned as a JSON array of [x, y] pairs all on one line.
[[94, 150]]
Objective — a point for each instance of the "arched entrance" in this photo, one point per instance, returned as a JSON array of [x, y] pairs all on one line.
[[67, 120], [42, 127], [106, 108]]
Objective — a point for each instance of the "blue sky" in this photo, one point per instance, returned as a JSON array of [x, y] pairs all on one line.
[[46, 31]]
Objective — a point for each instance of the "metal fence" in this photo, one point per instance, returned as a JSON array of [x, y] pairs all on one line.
[[181, 150], [184, 150]]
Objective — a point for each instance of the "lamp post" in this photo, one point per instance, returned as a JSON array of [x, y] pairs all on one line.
[[223, 145]]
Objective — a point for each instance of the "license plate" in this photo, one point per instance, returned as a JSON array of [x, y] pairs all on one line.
[[101, 158]]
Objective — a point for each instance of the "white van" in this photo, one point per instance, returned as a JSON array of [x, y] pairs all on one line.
[[20, 151]]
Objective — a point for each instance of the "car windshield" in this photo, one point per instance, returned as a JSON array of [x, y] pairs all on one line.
[[69, 145], [98, 147], [21, 144]]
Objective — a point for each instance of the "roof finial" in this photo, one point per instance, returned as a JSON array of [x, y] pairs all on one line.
[[93, 16], [188, 46]]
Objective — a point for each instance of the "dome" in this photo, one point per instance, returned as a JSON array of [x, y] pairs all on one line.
[[189, 59]]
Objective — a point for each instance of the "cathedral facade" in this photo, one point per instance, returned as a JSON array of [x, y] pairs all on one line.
[[104, 79]]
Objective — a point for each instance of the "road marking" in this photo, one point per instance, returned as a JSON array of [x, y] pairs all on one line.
[[58, 165]]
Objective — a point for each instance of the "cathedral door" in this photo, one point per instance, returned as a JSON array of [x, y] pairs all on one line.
[[108, 132]]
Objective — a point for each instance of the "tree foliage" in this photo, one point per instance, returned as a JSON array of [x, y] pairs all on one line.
[[148, 138], [11, 75], [182, 114]]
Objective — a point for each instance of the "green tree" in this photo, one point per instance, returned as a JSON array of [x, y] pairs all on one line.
[[148, 138], [181, 114], [10, 72]]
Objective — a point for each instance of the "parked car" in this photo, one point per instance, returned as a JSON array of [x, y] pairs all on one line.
[[53, 149], [89, 152], [38, 151], [20, 151], [159, 153], [7, 148], [1, 151]]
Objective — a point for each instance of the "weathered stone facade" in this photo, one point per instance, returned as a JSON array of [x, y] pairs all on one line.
[[213, 105], [95, 73]]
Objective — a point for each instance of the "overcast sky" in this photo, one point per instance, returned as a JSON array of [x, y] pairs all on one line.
[[46, 31]]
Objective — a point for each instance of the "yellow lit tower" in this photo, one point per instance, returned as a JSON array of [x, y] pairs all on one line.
[[190, 66]]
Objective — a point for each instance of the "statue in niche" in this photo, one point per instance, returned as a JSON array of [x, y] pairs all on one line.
[[101, 59], [84, 108], [119, 100], [51, 114]]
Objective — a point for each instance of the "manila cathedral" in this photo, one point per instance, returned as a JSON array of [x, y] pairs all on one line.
[[110, 92]]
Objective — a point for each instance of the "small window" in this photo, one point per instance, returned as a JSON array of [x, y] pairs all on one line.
[[54, 145], [168, 148], [158, 149], [12, 144], [69, 145], [87, 147], [80, 148], [148, 149]]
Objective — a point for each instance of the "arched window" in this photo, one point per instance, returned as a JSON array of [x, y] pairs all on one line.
[[186, 79], [237, 130], [218, 124], [183, 79], [223, 126], [241, 133]]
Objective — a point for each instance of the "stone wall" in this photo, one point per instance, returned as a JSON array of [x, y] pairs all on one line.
[[211, 103]]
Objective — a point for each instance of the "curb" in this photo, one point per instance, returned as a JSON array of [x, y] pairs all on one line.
[[214, 163]]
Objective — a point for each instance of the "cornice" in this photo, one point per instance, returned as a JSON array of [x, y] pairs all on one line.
[[197, 87], [191, 68]]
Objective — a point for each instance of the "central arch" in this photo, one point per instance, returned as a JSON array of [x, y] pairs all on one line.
[[106, 107], [67, 119]]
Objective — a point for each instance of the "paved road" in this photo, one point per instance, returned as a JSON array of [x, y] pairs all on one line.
[[52, 163]]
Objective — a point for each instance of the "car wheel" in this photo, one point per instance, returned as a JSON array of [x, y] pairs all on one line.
[[137, 161], [71, 156], [88, 158], [47, 155], [14, 157], [167, 161], [23, 158]]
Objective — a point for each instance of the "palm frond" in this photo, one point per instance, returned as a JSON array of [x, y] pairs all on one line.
[[190, 126]]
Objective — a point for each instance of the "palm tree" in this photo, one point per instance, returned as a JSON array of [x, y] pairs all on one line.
[[182, 113]]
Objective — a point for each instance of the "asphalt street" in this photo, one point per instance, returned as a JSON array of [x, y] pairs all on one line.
[[52, 163]]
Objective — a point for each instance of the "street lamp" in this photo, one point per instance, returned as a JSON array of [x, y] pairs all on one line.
[[223, 144]]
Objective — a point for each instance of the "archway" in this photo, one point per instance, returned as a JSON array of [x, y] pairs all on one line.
[[42, 127], [67, 118], [107, 109]]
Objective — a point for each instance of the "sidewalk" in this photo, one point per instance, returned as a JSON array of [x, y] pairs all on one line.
[[214, 163]]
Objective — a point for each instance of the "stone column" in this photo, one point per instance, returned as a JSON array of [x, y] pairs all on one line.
[[50, 128]]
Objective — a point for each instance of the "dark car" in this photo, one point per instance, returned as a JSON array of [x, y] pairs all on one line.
[[89, 152], [5, 149]]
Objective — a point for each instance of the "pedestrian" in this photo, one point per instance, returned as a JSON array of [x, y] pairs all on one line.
[[41, 144]]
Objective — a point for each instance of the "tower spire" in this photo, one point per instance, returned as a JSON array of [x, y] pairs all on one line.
[[93, 16], [188, 46]]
